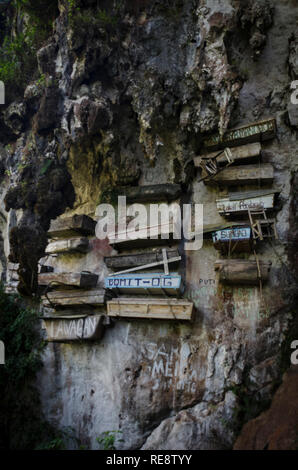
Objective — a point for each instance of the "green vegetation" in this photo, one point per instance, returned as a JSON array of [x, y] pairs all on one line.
[[21, 423], [107, 440], [18, 63]]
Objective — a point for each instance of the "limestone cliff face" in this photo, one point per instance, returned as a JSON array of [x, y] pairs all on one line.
[[127, 92]]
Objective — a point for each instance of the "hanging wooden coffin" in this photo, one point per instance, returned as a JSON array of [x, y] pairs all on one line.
[[152, 193], [72, 245], [255, 132], [74, 298], [233, 240], [84, 280], [238, 154], [236, 271], [244, 174], [76, 328], [153, 283], [239, 203], [138, 259], [159, 309], [145, 237], [72, 226]]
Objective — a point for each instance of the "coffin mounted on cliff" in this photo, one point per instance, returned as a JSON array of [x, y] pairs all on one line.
[[74, 328], [236, 271], [218, 167], [151, 193], [131, 238], [72, 226], [233, 239], [150, 308], [256, 132], [152, 258], [144, 283], [84, 280], [238, 203]]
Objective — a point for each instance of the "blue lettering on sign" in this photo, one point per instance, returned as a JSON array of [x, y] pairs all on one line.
[[146, 281]]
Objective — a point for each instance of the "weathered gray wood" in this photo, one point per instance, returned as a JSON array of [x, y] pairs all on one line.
[[152, 193], [72, 226], [72, 245], [244, 174], [83, 279], [160, 309], [255, 132], [150, 266], [74, 298], [243, 152], [66, 329], [138, 259], [241, 271], [143, 238]]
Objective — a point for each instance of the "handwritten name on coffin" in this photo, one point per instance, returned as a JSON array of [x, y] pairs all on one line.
[[154, 281]]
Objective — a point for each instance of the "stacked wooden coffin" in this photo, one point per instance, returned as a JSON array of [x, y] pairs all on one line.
[[143, 282], [235, 160], [73, 297]]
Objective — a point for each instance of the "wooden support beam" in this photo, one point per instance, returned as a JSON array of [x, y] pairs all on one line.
[[84, 280], [255, 132], [152, 283], [72, 245], [152, 193], [159, 309], [139, 259], [64, 329], [72, 226], [239, 154], [244, 174], [236, 271], [74, 298]]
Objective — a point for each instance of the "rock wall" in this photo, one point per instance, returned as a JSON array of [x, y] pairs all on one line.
[[128, 98]]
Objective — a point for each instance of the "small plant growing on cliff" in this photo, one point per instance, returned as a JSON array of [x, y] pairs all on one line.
[[107, 440]]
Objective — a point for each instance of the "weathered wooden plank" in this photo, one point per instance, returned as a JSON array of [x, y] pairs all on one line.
[[84, 279], [228, 206], [74, 298], [72, 226], [138, 259], [244, 174], [233, 240], [241, 153], [72, 245], [152, 193], [156, 283], [255, 132], [65, 329], [242, 271], [160, 309], [146, 236]]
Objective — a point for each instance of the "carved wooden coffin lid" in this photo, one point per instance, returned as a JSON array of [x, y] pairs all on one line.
[[72, 226], [84, 279], [254, 132], [243, 174], [74, 298], [152, 193]]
